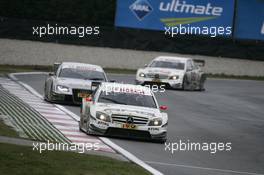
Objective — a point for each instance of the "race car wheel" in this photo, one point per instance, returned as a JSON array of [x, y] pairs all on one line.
[[184, 83], [88, 131], [162, 140], [138, 83], [45, 92], [81, 124], [49, 95], [201, 84]]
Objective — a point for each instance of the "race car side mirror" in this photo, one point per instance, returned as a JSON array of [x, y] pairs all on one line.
[[51, 74], [163, 108], [56, 66], [95, 85], [145, 65]]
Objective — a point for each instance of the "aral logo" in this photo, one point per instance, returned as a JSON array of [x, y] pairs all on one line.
[[141, 8]]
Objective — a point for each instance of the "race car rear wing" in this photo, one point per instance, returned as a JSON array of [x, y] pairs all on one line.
[[200, 63]]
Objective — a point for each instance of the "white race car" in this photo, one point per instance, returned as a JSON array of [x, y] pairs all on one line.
[[72, 81], [176, 72], [123, 110]]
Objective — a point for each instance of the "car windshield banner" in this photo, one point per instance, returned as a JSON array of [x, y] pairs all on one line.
[[161, 14], [250, 19]]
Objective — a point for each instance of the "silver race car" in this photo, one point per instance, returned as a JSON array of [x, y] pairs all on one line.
[[176, 72], [72, 81], [123, 110]]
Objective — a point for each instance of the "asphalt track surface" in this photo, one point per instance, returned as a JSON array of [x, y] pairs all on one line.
[[228, 111]]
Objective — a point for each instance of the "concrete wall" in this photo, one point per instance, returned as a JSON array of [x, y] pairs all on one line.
[[17, 52]]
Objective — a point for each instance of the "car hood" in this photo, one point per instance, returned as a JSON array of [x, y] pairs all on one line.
[[163, 71], [128, 110], [74, 83]]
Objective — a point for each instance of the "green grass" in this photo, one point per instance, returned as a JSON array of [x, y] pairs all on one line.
[[20, 160], [7, 131]]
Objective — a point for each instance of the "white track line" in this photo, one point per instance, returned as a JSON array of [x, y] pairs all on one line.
[[74, 116], [107, 141], [203, 168]]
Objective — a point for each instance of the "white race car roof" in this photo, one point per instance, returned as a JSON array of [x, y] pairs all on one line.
[[85, 66], [126, 88], [171, 58]]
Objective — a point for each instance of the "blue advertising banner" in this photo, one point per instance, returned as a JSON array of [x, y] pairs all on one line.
[[158, 14], [250, 19]]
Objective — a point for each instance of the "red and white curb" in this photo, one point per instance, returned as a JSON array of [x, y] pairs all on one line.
[[69, 125]]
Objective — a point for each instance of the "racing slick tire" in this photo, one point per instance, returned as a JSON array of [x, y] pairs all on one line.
[[87, 127], [48, 95], [137, 83], [201, 84], [80, 128], [80, 124], [184, 83], [162, 140]]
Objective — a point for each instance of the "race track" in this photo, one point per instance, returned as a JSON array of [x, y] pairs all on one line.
[[228, 111]]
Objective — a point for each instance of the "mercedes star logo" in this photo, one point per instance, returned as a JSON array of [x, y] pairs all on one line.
[[130, 120]]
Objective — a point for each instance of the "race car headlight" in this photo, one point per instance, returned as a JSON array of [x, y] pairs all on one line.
[[63, 88], [174, 77], [155, 122], [142, 75], [103, 117]]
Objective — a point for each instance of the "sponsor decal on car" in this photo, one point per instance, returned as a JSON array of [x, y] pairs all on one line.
[[153, 129], [102, 123]]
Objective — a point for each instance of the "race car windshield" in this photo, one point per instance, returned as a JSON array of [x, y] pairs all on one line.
[[82, 74], [127, 99], [167, 64]]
